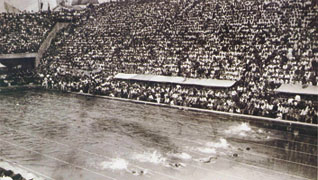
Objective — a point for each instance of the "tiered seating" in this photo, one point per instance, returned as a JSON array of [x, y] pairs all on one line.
[[23, 32], [260, 44]]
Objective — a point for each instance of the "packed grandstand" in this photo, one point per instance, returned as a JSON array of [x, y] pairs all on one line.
[[259, 45]]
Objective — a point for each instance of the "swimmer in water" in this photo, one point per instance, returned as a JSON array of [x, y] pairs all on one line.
[[177, 165], [138, 172], [208, 160]]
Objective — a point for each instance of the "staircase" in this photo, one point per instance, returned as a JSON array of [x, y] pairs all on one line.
[[47, 42]]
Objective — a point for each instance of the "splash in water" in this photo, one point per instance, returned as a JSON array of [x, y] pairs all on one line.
[[244, 130], [221, 144], [115, 164], [152, 157], [182, 155], [207, 150], [241, 130]]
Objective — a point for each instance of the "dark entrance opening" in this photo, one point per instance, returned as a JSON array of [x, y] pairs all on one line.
[[17, 69], [19, 63]]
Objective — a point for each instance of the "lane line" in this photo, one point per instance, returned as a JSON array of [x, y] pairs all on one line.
[[244, 164], [98, 155], [109, 158], [257, 144], [235, 142], [163, 145], [292, 162], [56, 159], [192, 141], [210, 123]]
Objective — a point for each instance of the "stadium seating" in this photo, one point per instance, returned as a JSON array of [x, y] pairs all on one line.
[[260, 44], [23, 32]]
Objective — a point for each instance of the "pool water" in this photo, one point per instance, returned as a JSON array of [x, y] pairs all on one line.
[[64, 136]]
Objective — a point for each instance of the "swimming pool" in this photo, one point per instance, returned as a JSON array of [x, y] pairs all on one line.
[[67, 136]]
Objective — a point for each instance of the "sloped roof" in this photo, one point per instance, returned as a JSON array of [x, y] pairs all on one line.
[[209, 82], [2, 66], [176, 80], [297, 89]]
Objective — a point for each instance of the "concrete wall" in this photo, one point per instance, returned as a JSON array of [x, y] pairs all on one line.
[[47, 42]]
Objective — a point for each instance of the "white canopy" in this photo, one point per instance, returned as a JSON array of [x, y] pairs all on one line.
[[124, 76], [2, 66], [209, 82], [297, 89], [176, 80]]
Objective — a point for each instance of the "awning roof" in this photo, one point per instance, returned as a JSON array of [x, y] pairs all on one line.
[[209, 82], [18, 55], [297, 89], [168, 79], [142, 77], [2, 66], [176, 80], [124, 76]]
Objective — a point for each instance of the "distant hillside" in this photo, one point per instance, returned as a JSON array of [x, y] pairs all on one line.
[[83, 2]]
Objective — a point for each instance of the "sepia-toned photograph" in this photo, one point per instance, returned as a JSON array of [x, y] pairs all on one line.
[[158, 89]]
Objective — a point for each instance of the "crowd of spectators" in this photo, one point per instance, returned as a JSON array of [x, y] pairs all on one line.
[[21, 33], [24, 32], [260, 44], [18, 77]]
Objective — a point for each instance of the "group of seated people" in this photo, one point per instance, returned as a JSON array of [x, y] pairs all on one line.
[[24, 32], [18, 77], [234, 100], [259, 44]]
